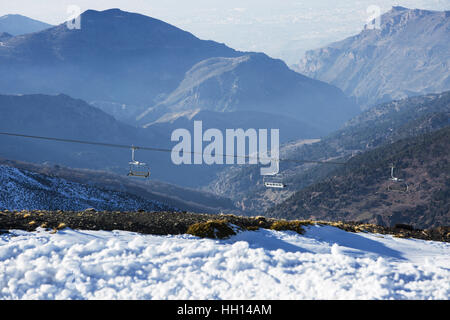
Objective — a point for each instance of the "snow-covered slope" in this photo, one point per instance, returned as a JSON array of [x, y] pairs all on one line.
[[324, 263], [22, 189]]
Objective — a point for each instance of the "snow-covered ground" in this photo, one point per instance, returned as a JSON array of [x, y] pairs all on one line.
[[325, 263]]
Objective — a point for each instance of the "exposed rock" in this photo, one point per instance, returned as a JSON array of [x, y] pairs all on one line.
[[408, 55]]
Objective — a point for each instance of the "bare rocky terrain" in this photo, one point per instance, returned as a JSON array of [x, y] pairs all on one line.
[[407, 55], [171, 223]]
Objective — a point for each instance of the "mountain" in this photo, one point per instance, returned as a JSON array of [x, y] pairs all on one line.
[[376, 127], [25, 190], [290, 128], [16, 24], [61, 116], [408, 55], [255, 82], [115, 56], [156, 191], [383, 124], [359, 191], [119, 58], [64, 117], [4, 36], [126, 113]]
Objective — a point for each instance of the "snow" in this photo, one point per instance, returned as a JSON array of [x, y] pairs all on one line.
[[26, 190], [324, 263]]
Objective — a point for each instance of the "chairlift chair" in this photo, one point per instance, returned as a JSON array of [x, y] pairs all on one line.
[[274, 180], [397, 183], [137, 168]]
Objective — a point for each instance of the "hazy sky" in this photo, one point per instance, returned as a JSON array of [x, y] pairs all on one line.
[[281, 28]]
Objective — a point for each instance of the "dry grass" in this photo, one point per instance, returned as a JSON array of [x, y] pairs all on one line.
[[295, 225], [60, 226], [202, 225], [214, 229]]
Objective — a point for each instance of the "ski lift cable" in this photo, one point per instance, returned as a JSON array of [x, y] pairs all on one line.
[[104, 144]]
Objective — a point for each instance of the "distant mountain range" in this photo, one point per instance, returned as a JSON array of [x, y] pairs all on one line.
[[122, 58], [408, 55], [16, 24], [115, 56]]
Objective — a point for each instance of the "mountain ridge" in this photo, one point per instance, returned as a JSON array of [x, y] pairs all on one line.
[[25, 190], [255, 82], [408, 55], [16, 24], [110, 45], [124, 58], [376, 127], [360, 190], [64, 117], [160, 192]]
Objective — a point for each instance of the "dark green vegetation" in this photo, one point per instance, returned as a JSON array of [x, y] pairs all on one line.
[[374, 128], [359, 190], [202, 225]]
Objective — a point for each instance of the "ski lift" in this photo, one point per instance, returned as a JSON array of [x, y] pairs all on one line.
[[397, 184], [274, 180], [137, 169]]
